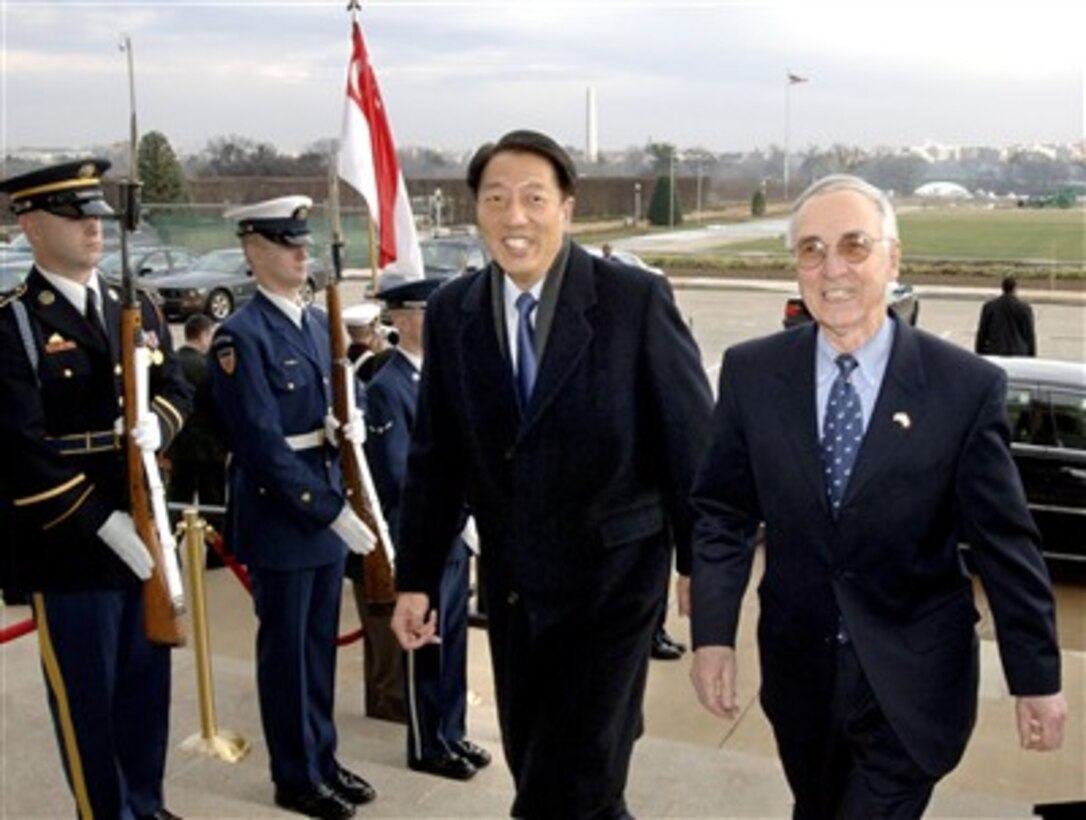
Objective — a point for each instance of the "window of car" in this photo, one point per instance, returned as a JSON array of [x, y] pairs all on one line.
[[1069, 419]]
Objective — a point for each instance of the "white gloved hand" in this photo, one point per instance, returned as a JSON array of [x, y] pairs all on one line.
[[119, 534], [353, 531], [354, 430], [471, 535], [147, 433]]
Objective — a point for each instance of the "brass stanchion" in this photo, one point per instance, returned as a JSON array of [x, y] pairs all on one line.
[[210, 741]]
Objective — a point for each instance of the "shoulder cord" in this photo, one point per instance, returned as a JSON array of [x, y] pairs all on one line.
[[22, 319]]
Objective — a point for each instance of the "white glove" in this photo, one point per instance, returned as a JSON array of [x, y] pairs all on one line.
[[471, 535], [353, 531], [119, 534], [147, 433], [354, 430]]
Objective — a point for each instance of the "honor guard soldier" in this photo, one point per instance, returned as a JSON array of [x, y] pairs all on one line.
[[288, 518], [436, 675], [74, 545]]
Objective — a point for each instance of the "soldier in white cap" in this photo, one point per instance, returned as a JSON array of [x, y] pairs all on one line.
[[288, 518]]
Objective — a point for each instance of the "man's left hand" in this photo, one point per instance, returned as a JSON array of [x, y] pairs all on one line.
[[1040, 721]]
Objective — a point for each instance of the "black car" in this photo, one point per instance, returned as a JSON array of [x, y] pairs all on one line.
[[450, 256], [900, 296], [1046, 408]]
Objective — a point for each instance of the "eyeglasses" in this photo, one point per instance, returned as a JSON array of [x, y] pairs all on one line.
[[854, 247]]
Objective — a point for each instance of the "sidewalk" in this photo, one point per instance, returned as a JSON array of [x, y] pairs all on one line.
[[688, 765]]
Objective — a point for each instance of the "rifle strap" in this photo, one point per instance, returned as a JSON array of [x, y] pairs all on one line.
[[22, 319]]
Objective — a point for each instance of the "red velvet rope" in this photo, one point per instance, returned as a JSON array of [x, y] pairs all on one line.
[[10, 633]]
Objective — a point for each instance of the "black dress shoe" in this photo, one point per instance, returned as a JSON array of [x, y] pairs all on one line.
[[663, 650], [669, 640], [351, 787], [318, 801], [477, 756], [451, 766]]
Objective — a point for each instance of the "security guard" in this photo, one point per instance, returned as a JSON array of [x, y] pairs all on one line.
[[74, 546], [287, 516], [436, 675]]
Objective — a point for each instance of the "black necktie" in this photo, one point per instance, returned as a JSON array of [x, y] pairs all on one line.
[[526, 363], [842, 431], [93, 314]]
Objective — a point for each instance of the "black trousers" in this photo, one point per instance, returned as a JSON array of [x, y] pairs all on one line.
[[851, 765], [569, 705]]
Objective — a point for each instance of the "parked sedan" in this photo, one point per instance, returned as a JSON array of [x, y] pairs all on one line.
[[218, 283], [450, 256], [150, 261], [901, 297], [1046, 409]]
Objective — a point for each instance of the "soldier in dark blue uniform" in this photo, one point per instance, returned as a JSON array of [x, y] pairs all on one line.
[[73, 544], [436, 675], [287, 516]]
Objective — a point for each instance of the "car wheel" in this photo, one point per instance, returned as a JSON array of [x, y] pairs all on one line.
[[308, 292], [219, 305]]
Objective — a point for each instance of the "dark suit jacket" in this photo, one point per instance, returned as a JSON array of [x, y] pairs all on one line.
[[200, 440], [572, 498], [270, 380], [934, 470], [1006, 328], [61, 500]]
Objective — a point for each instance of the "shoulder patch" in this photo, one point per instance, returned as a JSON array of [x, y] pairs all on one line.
[[227, 359]]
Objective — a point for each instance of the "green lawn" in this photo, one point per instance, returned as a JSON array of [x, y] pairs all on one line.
[[971, 234]]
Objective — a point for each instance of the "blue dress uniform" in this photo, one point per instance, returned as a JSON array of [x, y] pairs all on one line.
[[64, 474], [436, 676], [270, 382]]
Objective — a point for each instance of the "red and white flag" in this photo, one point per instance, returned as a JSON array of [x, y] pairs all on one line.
[[367, 162]]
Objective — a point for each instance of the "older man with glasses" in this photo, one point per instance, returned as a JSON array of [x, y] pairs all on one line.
[[869, 450]]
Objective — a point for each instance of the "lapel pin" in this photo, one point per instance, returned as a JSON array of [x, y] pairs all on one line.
[[902, 420], [46, 298]]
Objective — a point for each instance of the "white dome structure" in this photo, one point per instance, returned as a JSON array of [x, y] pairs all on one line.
[[943, 190]]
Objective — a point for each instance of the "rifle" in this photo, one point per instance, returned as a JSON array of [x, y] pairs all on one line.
[[163, 597], [377, 581]]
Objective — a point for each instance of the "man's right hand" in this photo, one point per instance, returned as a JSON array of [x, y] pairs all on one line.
[[714, 675], [119, 534], [353, 531], [413, 622]]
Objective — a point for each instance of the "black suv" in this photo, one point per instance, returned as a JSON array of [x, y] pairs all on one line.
[[1046, 408]]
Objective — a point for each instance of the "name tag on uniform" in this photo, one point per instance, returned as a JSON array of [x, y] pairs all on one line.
[[58, 344]]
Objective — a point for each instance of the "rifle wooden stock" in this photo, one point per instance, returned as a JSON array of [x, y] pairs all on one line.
[[161, 623], [378, 586]]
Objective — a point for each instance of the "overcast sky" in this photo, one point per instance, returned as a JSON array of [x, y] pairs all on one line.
[[457, 73]]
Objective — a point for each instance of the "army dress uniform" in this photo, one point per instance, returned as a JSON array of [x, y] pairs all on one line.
[[64, 473], [270, 366]]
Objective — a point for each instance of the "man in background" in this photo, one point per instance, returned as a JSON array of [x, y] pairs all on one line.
[[1006, 325], [198, 455]]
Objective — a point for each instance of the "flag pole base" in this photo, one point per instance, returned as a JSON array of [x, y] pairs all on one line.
[[224, 745]]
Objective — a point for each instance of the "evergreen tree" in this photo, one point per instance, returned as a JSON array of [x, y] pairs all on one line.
[[757, 202], [664, 207], [163, 180]]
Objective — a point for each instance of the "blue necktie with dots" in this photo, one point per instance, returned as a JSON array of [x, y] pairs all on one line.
[[526, 363], [842, 432]]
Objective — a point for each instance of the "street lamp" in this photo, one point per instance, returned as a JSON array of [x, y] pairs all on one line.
[[637, 204], [671, 189], [790, 80]]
